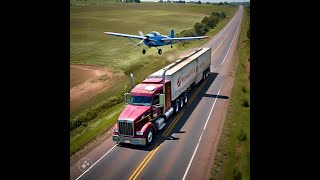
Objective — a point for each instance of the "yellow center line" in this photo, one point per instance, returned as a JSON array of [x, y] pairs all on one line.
[[220, 43], [152, 153], [143, 162], [172, 125], [198, 90]]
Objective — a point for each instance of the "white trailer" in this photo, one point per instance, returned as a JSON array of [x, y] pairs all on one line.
[[186, 71]]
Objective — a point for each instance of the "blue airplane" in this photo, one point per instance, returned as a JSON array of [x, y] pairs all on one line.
[[155, 39]]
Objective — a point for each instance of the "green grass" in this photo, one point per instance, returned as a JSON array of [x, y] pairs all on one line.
[[233, 152], [98, 126]]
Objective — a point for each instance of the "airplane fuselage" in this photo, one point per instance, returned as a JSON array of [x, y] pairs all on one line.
[[156, 41]]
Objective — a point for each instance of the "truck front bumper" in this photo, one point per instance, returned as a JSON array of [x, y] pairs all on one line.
[[129, 140]]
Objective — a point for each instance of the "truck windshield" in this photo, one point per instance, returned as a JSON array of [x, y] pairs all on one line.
[[141, 100]]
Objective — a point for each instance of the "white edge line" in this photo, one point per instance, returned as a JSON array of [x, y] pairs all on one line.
[[231, 43], [195, 150], [185, 174], [212, 108], [96, 162]]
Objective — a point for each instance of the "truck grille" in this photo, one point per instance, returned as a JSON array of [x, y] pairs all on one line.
[[126, 128]]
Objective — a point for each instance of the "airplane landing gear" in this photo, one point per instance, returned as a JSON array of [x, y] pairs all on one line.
[[159, 51], [145, 50]]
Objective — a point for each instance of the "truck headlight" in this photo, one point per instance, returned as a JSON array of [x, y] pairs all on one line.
[[140, 133], [115, 130]]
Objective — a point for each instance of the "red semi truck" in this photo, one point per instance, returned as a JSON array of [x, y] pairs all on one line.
[[161, 94]]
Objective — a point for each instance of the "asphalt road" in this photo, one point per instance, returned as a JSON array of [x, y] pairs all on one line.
[[185, 148]]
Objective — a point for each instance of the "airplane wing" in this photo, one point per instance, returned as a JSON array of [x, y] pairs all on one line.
[[124, 35], [175, 40]]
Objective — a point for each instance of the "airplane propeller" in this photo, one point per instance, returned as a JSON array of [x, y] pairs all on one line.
[[145, 38]]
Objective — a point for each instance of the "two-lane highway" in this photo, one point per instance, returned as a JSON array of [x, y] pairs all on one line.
[[185, 148]]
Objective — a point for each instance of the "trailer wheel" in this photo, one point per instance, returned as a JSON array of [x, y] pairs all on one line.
[[181, 101], [149, 137], [177, 107], [185, 98]]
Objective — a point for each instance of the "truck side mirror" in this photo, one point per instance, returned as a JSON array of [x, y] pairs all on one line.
[[127, 98]]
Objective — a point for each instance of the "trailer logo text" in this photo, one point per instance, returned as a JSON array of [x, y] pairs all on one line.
[[181, 79]]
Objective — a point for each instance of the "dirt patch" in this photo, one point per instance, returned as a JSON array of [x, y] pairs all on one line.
[[79, 74], [87, 81]]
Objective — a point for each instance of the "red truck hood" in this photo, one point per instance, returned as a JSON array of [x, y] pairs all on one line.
[[132, 112]]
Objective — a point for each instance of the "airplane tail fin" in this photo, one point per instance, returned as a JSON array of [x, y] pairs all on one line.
[[172, 33]]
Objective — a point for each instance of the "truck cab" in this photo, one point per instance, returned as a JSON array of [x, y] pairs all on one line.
[[136, 124]]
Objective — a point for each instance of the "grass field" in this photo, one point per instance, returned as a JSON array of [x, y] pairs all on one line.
[[233, 152], [89, 45]]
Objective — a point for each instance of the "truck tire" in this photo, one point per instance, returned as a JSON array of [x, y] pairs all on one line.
[[181, 101], [185, 98], [177, 108], [149, 137], [204, 75]]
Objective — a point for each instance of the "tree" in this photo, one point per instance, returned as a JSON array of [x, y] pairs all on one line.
[[205, 21], [212, 21], [199, 2], [200, 29]]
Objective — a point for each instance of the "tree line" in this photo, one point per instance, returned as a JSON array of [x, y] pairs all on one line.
[[201, 28]]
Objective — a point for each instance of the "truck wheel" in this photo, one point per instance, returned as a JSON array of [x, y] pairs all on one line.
[[186, 98], [181, 101], [207, 73], [204, 75], [149, 137], [177, 107]]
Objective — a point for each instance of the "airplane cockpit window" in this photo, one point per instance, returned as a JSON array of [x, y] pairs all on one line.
[[155, 33]]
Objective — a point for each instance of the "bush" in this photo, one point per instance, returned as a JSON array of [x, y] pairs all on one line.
[[187, 33], [92, 113], [242, 135], [245, 103], [244, 90], [237, 175], [200, 29]]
